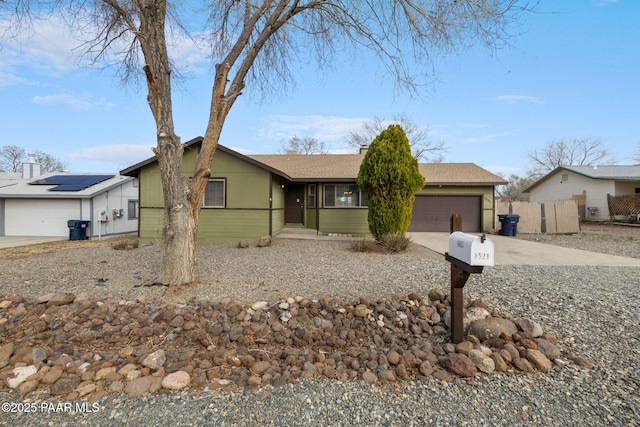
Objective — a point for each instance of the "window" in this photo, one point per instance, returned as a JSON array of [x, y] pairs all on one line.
[[214, 194], [343, 196], [311, 196], [132, 209]]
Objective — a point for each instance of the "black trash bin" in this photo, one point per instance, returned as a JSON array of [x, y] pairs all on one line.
[[77, 229], [509, 224]]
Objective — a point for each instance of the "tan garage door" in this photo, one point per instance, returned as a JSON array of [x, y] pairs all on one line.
[[433, 213]]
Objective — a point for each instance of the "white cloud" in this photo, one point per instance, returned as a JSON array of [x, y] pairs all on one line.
[[323, 128], [512, 99], [82, 101], [114, 156], [478, 139]]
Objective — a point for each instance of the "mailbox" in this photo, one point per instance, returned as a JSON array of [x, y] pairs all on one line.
[[472, 250]]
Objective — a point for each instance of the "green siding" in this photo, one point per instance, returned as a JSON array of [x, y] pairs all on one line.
[[219, 225], [230, 225], [246, 215], [247, 185], [277, 221], [310, 218], [151, 225], [487, 193], [346, 221]]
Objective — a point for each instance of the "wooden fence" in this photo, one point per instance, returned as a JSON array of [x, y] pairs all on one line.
[[558, 217]]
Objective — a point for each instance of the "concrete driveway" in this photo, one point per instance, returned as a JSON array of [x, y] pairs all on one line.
[[12, 241], [510, 251]]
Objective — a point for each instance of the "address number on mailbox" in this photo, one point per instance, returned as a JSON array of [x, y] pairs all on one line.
[[472, 250]]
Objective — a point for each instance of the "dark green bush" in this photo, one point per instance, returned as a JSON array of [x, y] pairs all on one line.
[[389, 176]]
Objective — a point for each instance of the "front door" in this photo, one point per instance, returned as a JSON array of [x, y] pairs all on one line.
[[294, 204]]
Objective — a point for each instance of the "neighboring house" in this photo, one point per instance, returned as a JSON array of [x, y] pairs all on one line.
[[590, 183], [41, 205], [251, 196]]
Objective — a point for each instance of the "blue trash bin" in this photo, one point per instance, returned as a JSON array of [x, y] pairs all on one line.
[[509, 224], [77, 229]]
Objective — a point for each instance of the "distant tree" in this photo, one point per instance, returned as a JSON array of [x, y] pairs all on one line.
[[11, 157], [575, 152], [422, 146], [389, 176], [48, 163], [305, 145], [636, 158], [513, 190]]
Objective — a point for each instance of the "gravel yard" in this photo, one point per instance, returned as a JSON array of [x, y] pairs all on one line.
[[593, 311]]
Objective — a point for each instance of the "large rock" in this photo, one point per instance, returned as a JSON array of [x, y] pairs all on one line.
[[176, 380], [529, 327], [461, 365], [264, 242], [61, 299], [538, 360], [483, 362], [469, 315], [545, 347], [155, 360], [18, 375], [6, 351], [492, 327], [64, 386], [143, 385]]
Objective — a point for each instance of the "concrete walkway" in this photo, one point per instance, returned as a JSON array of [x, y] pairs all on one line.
[[13, 241], [512, 251]]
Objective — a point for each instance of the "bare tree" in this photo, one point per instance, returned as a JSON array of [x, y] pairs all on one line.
[[252, 44], [48, 163], [305, 145], [513, 191], [636, 157], [422, 146], [11, 157], [575, 152]]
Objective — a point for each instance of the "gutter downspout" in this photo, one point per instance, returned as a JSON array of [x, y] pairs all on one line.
[[271, 204], [318, 192]]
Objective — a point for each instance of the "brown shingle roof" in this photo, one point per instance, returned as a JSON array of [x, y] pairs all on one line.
[[306, 167], [345, 167], [458, 174], [337, 167]]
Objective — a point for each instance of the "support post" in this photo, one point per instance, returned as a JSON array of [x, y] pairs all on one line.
[[458, 279]]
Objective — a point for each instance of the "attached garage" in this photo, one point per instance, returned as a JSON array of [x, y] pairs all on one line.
[[40, 217], [433, 212]]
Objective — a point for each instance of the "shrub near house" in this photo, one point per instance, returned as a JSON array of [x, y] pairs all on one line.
[[389, 176]]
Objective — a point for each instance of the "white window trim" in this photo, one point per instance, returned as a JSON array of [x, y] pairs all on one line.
[[324, 199], [224, 194]]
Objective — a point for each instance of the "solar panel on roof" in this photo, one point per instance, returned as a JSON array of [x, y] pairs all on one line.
[[71, 182]]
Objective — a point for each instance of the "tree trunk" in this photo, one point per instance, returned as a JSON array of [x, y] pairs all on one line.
[[179, 230]]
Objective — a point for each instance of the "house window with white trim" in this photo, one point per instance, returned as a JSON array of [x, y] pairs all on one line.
[[214, 193], [311, 196], [343, 196]]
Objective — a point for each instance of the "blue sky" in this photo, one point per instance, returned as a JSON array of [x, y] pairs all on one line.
[[572, 72]]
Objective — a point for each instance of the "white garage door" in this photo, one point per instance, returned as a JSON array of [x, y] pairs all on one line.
[[29, 217]]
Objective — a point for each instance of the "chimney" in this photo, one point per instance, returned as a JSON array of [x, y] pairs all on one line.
[[363, 148], [31, 169]]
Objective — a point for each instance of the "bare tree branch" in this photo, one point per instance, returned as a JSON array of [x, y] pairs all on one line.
[[575, 152], [422, 146]]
